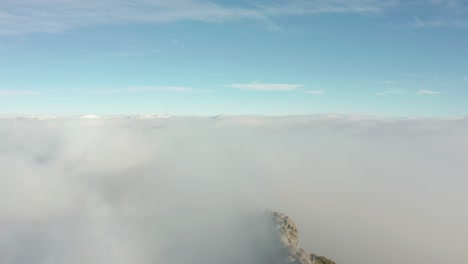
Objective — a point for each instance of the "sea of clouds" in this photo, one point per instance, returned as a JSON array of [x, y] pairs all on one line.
[[176, 189]]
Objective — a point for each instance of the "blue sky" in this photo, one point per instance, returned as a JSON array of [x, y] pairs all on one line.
[[391, 58]]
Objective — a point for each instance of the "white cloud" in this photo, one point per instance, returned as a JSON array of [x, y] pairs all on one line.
[[257, 86], [55, 16], [315, 92], [428, 92], [176, 89], [142, 191], [142, 89], [466, 79], [4, 93], [389, 92]]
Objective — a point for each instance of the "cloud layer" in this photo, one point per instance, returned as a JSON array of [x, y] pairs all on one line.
[[172, 190], [55, 16]]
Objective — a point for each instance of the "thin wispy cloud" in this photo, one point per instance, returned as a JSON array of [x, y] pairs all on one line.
[[302, 7], [459, 23], [257, 86], [125, 54], [428, 92], [315, 92], [390, 92], [176, 89], [145, 89], [442, 14], [452, 4], [5, 93], [55, 16]]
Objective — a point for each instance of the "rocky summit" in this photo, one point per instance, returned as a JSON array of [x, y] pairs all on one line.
[[289, 250], [249, 237]]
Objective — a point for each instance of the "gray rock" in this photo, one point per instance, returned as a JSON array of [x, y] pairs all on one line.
[[288, 246]]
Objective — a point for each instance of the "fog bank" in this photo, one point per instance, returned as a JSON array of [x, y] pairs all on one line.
[[179, 190]]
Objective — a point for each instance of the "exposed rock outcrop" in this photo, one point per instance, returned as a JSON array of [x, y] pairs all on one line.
[[288, 242], [252, 237]]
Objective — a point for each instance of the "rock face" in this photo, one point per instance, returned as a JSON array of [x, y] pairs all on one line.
[[288, 243]]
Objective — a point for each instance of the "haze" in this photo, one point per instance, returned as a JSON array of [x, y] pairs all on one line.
[[174, 190]]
